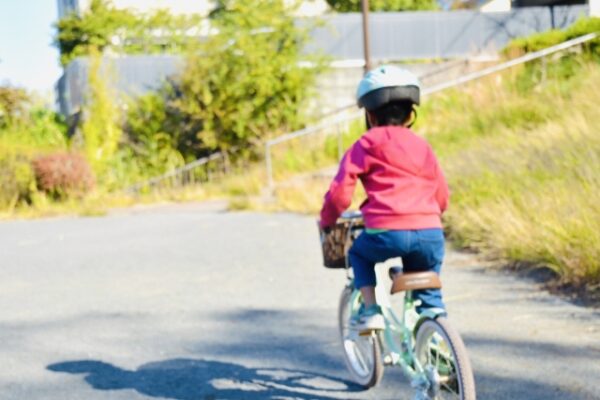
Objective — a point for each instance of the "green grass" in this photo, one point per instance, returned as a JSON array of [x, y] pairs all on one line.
[[524, 170], [521, 151]]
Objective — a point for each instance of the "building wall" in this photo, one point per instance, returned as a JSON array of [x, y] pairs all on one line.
[[496, 6], [435, 35], [67, 6], [595, 8]]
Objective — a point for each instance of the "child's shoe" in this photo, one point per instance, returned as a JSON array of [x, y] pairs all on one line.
[[368, 320]]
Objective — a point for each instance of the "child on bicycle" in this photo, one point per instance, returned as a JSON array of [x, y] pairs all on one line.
[[406, 191]]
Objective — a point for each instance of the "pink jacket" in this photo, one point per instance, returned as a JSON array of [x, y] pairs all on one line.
[[405, 185]]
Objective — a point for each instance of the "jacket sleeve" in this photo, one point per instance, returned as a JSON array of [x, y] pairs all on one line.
[[442, 194], [339, 196]]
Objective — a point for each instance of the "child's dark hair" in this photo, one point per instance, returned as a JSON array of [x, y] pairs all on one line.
[[394, 113]]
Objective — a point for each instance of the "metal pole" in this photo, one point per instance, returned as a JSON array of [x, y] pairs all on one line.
[[365, 24], [269, 169], [340, 145]]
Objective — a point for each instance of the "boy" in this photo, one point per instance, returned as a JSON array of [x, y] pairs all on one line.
[[406, 191]]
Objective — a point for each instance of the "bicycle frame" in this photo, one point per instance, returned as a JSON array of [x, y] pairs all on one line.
[[395, 344], [396, 329], [397, 338]]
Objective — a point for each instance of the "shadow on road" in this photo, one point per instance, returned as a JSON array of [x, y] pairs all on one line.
[[187, 379], [291, 342]]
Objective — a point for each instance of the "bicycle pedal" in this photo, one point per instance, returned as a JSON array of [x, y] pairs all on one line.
[[368, 332]]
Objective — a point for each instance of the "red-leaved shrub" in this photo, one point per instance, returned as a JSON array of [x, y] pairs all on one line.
[[63, 174]]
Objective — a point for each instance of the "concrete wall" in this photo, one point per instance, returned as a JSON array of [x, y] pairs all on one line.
[[135, 75], [434, 35], [595, 8], [128, 76]]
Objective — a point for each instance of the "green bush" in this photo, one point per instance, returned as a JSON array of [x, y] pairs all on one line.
[[101, 128], [583, 26], [153, 136], [17, 181], [535, 42], [246, 83], [26, 129], [539, 41], [13, 104]]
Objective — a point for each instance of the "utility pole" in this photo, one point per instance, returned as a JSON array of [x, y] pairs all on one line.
[[365, 24]]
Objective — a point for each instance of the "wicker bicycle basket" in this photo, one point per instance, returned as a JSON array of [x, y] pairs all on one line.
[[336, 243]]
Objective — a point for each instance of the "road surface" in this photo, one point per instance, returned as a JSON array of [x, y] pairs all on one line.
[[191, 302]]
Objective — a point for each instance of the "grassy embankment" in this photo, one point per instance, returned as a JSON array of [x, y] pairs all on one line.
[[521, 151], [524, 168]]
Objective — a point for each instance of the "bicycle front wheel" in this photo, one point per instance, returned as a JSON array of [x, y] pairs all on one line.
[[442, 353], [361, 353]]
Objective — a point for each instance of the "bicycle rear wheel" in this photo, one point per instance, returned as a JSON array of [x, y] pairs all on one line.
[[442, 353], [362, 354]]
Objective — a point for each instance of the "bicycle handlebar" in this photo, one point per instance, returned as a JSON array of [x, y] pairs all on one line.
[[354, 214]]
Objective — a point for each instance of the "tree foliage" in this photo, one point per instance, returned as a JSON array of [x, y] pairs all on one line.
[[246, 82], [13, 104], [101, 130], [153, 135], [105, 27], [27, 128], [383, 5]]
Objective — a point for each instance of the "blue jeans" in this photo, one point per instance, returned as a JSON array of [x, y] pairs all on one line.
[[420, 250]]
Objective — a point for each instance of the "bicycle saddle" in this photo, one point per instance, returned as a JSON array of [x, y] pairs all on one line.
[[413, 280]]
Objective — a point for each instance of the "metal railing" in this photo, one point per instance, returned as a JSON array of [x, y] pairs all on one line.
[[342, 117], [509, 64], [180, 175], [322, 127]]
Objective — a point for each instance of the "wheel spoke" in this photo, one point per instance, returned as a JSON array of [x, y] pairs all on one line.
[[435, 349], [437, 360], [362, 354], [449, 389]]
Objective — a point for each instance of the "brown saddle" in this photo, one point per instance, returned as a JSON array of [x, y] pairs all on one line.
[[413, 280]]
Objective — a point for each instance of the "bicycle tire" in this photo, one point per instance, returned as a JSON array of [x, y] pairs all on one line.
[[365, 372], [464, 384]]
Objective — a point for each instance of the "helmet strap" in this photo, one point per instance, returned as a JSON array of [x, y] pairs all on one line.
[[414, 111]]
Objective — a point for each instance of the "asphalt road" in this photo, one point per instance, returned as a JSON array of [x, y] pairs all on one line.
[[189, 302]]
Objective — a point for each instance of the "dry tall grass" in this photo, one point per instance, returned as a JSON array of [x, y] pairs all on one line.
[[526, 188], [521, 151]]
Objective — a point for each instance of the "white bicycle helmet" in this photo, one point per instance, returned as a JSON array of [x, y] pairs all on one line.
[[385, 84]]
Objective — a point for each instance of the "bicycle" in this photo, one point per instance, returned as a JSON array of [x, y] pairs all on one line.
[[429, 351]]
